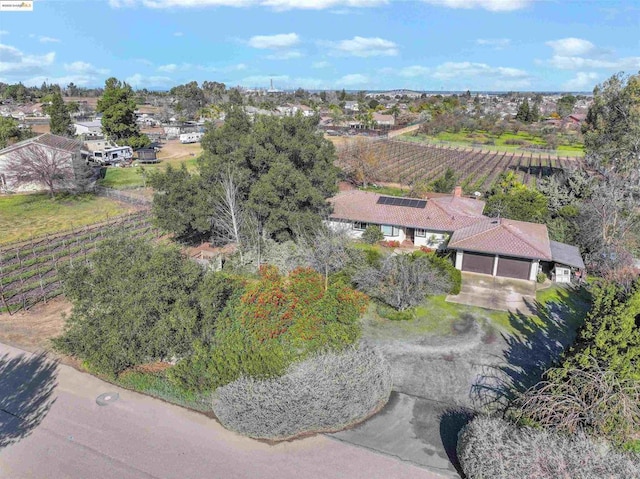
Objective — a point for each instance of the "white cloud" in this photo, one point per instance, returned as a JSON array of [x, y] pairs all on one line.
[[274, 4], [577, 63], [49, 40], [353, 79], [497, 43], [170, 68], [491, 5], [285, 55], [178, 34], [568, 47], [583, 81], [85, 68], [4, 32], [321, 64], [414, 71], [14, 62], [579, 54], [272, 42], [451, 70], [363, 47], [140, 81]]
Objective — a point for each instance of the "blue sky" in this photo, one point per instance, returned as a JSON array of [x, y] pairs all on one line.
[[533, 45]]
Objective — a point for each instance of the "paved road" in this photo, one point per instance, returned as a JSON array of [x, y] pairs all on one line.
[[139, 437]]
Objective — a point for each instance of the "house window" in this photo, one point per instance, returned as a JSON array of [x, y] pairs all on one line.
[[389, 230], [421, 233], [358, 225]]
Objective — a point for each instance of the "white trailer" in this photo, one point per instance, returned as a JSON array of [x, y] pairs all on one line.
[[112, 156], [194, 137]]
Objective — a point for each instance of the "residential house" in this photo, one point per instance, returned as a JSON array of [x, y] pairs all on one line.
[[89, 129], [491, 246], [63, 151], [351, 106], [384, 121]]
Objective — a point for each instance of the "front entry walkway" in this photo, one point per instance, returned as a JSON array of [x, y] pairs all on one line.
[[495, 292]]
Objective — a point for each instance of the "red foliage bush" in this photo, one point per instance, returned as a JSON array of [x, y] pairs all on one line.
[[297, 308], [426, 249], [390, 244]]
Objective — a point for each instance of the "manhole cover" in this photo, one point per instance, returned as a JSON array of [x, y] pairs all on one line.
[[107, 398]]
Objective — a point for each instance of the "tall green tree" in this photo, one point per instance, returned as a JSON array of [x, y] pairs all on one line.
[[612, 127], [565, 105], [118, 106], [59, 116], [9, 131], [282, 167], [524, 111]]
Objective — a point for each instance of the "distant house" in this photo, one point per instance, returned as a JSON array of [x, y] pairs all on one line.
[[491, 246], [64, 151], [351, 106], [577, 118], [88, 129], [384, 120]]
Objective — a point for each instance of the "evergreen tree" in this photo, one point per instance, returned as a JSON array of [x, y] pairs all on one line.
[[524, 112], [117, 106], [59, 117]]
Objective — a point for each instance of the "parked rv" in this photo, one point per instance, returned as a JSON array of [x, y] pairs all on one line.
[[194, 137], [112, 156]]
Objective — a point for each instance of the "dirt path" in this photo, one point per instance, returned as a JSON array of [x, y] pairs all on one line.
[[33, 329]]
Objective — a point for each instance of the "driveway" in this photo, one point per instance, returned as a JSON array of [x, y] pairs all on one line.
[[52, 425], [492, 292]]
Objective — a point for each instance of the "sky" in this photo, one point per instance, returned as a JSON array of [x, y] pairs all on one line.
[[435, 45]]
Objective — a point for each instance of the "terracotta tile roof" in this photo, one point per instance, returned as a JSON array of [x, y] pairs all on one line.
[[504, 237], [440, 214]]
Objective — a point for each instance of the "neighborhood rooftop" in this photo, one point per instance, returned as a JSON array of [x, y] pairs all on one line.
[[48, 140], [441, 214]]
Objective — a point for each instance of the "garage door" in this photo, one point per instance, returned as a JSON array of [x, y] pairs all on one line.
[[514, 267], [477, 263]]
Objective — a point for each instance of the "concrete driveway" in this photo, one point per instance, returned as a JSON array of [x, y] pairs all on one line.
[[492, 292]]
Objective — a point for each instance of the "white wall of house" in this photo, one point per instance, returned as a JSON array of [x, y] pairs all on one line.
[[562, 274], [533, 272], [430, 239], [7, 183], [459, 256]]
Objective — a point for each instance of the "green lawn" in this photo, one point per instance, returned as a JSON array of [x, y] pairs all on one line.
[[123, 178], [492, 142], [25, 216], [437, 317]]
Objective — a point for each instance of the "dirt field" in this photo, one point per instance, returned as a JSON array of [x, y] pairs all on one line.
[[33, 329], [174, 150]]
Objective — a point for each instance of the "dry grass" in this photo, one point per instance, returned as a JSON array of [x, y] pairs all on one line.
[[32, 330]]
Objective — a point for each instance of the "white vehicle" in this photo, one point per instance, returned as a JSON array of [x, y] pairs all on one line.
[[191, 137], [112, 156]]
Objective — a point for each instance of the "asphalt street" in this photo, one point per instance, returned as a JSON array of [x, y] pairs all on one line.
[[51, 426]]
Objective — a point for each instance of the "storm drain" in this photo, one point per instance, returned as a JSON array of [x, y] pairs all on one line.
[[107, 398]]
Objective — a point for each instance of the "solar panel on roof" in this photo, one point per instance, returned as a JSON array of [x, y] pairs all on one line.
[[395, 201]]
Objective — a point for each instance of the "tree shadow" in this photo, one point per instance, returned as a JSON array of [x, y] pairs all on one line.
[[536, 345], [452, 421], [27, 383]]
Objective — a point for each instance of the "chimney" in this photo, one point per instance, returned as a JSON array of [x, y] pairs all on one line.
[[457, 192]]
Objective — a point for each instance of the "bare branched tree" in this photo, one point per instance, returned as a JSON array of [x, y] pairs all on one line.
[[403, 281], [361, 161], [228, 214], [47, 167], [326, 250]]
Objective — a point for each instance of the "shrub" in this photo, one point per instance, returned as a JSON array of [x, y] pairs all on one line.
[[327, 392], [390, 244], [403, 281], [446, 267], [494, 448], [393, 315], [372, 234], [278, 320], [132, 305], [541, 277]]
